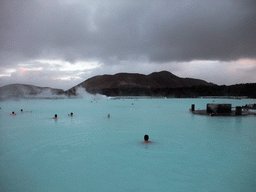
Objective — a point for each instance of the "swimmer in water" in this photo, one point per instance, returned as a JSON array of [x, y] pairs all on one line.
[[55, 117], [71, 114], [21, 110], [13, 113], [146, 137], [108, 115]]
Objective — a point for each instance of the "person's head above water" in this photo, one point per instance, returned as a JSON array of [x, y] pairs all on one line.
[[146, 137], [13, 113]]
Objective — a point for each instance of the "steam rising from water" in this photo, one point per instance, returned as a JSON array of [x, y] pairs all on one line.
[[47, 94], [82, 93], [21, 92]]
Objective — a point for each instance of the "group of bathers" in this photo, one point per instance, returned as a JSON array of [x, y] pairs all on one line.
[[13, 113]]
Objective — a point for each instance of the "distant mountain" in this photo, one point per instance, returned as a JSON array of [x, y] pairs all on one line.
[[158, 84], [163, 79], [21, 90]]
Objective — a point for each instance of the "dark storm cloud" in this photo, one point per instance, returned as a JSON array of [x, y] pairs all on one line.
[[33, 29], [157, 31]]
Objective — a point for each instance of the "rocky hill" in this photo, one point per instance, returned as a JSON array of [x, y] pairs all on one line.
[[21, 90], [126, 81], [160, 84]]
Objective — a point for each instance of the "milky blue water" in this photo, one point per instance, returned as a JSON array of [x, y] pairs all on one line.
[[91, 152]]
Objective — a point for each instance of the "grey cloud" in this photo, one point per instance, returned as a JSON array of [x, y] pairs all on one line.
[[160, 31], [44, 78]]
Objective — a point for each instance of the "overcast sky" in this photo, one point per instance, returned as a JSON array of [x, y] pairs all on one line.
[[62, 43]]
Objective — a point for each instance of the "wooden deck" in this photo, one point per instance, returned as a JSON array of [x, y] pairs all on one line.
[[233, 113]]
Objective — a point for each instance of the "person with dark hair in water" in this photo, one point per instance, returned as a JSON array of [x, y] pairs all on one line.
[[55, 116], [71, 114], [13, 113], [146, 137]]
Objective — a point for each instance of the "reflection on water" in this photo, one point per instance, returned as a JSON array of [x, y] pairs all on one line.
[[93, 152]]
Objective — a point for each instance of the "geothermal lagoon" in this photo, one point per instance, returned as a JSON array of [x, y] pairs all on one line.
[[91, 152]]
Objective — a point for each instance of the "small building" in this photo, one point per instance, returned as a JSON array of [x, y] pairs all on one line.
[[218, 108], [214, 109]]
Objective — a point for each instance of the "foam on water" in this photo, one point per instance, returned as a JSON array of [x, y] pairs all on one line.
[[91, 152]]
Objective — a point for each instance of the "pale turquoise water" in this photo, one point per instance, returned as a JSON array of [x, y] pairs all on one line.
[[90, 152]]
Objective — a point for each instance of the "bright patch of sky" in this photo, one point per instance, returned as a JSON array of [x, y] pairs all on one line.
[[67, 66]]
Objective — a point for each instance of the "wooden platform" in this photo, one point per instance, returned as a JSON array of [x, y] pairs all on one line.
[[233, 113]]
